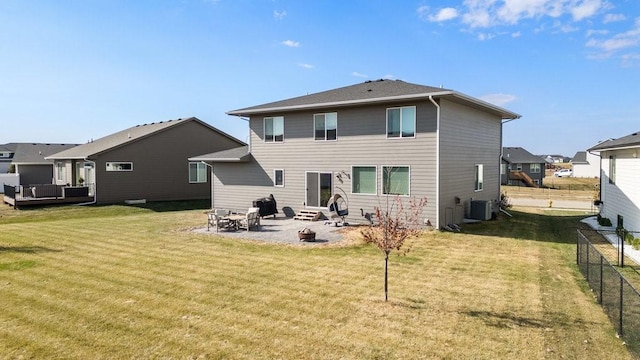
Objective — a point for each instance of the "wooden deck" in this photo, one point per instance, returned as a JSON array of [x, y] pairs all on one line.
[[31, 201]]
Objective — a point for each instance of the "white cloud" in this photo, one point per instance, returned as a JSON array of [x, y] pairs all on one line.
[[498, 99], [290, 43], [306, 66], [279, 15], [591, 33], [586, 9], [620, 41], [516, 34], [609, 18], [357, 74], [485, 36], [444, 15]]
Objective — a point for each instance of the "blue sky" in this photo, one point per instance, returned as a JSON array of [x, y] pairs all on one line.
[[72, 71]]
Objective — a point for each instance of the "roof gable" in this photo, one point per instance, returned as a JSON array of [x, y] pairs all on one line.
[[629, 141], [128, 136], [369, 92], [518, 155], [35, 153]]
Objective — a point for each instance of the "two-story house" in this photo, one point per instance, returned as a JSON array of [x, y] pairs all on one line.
[[520, 167], [367, 141], [620, 170]]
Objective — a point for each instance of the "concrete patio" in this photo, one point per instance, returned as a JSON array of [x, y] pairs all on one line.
[[284, 230]]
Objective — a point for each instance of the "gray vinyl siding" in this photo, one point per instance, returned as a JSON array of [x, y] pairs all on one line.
[[160, 165], [467, 137], [361, 141]]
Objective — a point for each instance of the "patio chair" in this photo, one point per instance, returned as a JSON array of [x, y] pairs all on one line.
[[252, 219], [217, 218]]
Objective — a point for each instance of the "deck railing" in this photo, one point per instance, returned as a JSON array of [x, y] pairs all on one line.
[[47, 191]]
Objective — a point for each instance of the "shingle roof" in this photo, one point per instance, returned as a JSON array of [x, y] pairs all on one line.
[[126, 136], [378, 91], [518, 155], [10, 147], [629, 141], [238, 154], [35, 153], [580, 158]]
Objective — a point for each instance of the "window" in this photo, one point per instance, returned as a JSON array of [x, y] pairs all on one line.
[[395, 180], [534, 168], [519, 167], [326, 126], [401, 122], [197, 172], [363, 180], [612, 169], [503, 169], [119, 166], [479, 177], [60, 171], [274, 129], [278, 177]]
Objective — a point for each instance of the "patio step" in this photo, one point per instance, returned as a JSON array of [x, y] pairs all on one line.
[[308, 215]]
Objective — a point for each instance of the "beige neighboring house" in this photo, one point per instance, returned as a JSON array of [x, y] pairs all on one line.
[[367, 142], [145, 162]]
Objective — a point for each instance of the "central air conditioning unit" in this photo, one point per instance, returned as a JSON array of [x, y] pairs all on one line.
[[480, 210]]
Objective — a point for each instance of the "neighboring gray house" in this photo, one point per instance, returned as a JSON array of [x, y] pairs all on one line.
[[6, 156], [145, 162], [619, 190], [30, 162], [520, 167], [585, 165], [365, 142]]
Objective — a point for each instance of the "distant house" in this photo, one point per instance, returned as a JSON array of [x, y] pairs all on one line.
[[619, 190], [520, 167], [553, 159], [585, 165], [6, 156], [30, 162], [368, 142], [145, 162]]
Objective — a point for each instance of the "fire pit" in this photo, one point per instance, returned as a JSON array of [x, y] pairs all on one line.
[[307, 234]]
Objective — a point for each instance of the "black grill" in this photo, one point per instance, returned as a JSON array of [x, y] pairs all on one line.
[[267, 206]]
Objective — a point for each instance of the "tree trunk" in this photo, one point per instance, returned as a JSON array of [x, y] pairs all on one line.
[[386, 288]]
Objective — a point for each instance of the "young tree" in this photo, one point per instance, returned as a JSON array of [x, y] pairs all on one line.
[[393, 226]]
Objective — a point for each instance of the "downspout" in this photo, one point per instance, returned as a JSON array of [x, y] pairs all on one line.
[[437, 224], [95, 185]]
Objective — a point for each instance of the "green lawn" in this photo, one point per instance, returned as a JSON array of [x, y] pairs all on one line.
[[135, 282]]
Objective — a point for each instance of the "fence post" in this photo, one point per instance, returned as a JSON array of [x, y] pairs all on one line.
[[601, 279], [621, 304], [588, 263]]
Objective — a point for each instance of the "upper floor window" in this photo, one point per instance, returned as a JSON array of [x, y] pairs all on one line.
[[612, 169], [274, 129], [197, 172], [479, 177], [401, 122], [119, 166], [534, 168], [326, 126]]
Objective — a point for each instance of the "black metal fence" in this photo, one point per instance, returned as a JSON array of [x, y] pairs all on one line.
[[46, 191], [619, 299]]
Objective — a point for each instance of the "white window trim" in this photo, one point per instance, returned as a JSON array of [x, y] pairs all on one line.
[[415, 121], [275, 177], [325, 127], [382, 180], [538, 168], [481, 178], [264, 129], [60, 171], [198, 165], [118, 162], [365, 194]]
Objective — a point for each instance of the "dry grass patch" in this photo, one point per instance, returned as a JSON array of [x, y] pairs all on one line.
[[138, 285]]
